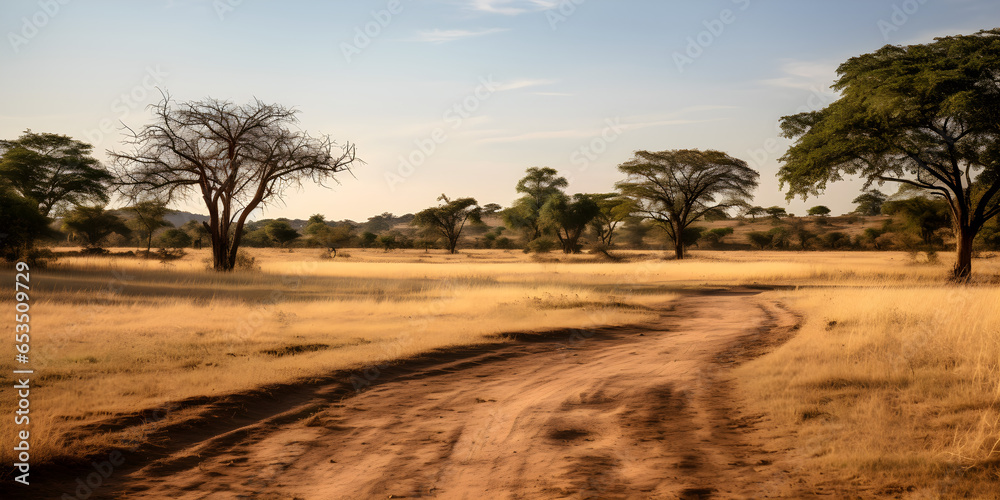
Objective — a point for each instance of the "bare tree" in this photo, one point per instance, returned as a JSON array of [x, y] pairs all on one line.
[[238, 158]]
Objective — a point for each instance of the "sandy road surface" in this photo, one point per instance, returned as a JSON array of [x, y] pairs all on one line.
[[627, 413]]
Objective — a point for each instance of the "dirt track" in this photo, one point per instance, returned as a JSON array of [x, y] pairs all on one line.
[[626, 413]]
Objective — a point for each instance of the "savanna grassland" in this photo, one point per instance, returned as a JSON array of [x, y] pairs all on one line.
[[891, 379]]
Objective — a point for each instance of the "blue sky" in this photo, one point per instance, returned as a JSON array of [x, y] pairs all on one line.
[[461, 96]]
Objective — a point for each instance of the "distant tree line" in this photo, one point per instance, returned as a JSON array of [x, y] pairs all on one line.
[[922, 116]]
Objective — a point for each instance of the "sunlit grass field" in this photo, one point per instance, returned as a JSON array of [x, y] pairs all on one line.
[[894, 373]]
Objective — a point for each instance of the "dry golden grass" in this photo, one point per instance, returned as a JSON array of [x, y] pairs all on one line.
[[900, 386], [904, 386], [118, 335]]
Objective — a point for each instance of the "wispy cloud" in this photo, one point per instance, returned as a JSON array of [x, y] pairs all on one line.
[[442, 36], [577, 133], [512, 7], [523, 84], [804, 75]]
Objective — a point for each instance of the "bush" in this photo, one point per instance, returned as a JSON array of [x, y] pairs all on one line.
[[503, 243], [246, 262], [387, 242], [835, 240], [174, 238], [257, 238], [541, 245], [759, 239], [781, 237], [714, 237], [35, 257], [165, 255], [20, 225]]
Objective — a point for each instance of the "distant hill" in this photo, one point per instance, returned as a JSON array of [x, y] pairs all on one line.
[[179, 218]]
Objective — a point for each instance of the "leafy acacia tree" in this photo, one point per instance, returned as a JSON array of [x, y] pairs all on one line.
[[569, 218], [754, 212], [449, 218], [334, 237], [870, 202], [175, 238], [53, 170], [819, 210], [20, 224], [540, 184], [923, 115], [922, 216], [676, 188], [776, 212], [614, 210], [148, 217], [91, 224], [280, 232], [197, 232], [236, 158]]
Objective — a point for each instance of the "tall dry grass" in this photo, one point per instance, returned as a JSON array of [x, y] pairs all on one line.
[[897, 385]]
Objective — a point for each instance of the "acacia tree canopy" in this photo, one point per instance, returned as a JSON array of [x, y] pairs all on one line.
[[569, 217], [20, 224], [927, 116], [540, 184], [676, 188], [236, 158], [281, 232], [819, 210], [149, 216], [449, 218], [91, 224], [614, 210], [53, 170], [870, 202]]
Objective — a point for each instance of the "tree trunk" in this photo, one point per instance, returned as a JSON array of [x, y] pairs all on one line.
[[963, 265], [220, 256], [678, 242]]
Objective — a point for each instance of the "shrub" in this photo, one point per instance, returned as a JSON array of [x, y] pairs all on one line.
[[174, 238], [715, 236], [835, 240], [759, 239], [246, 262], [541, 245]]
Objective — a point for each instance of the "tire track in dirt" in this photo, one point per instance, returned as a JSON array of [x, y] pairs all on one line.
[[629, 413]]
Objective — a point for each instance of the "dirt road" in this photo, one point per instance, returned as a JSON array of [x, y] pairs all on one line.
[[626, 413]]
